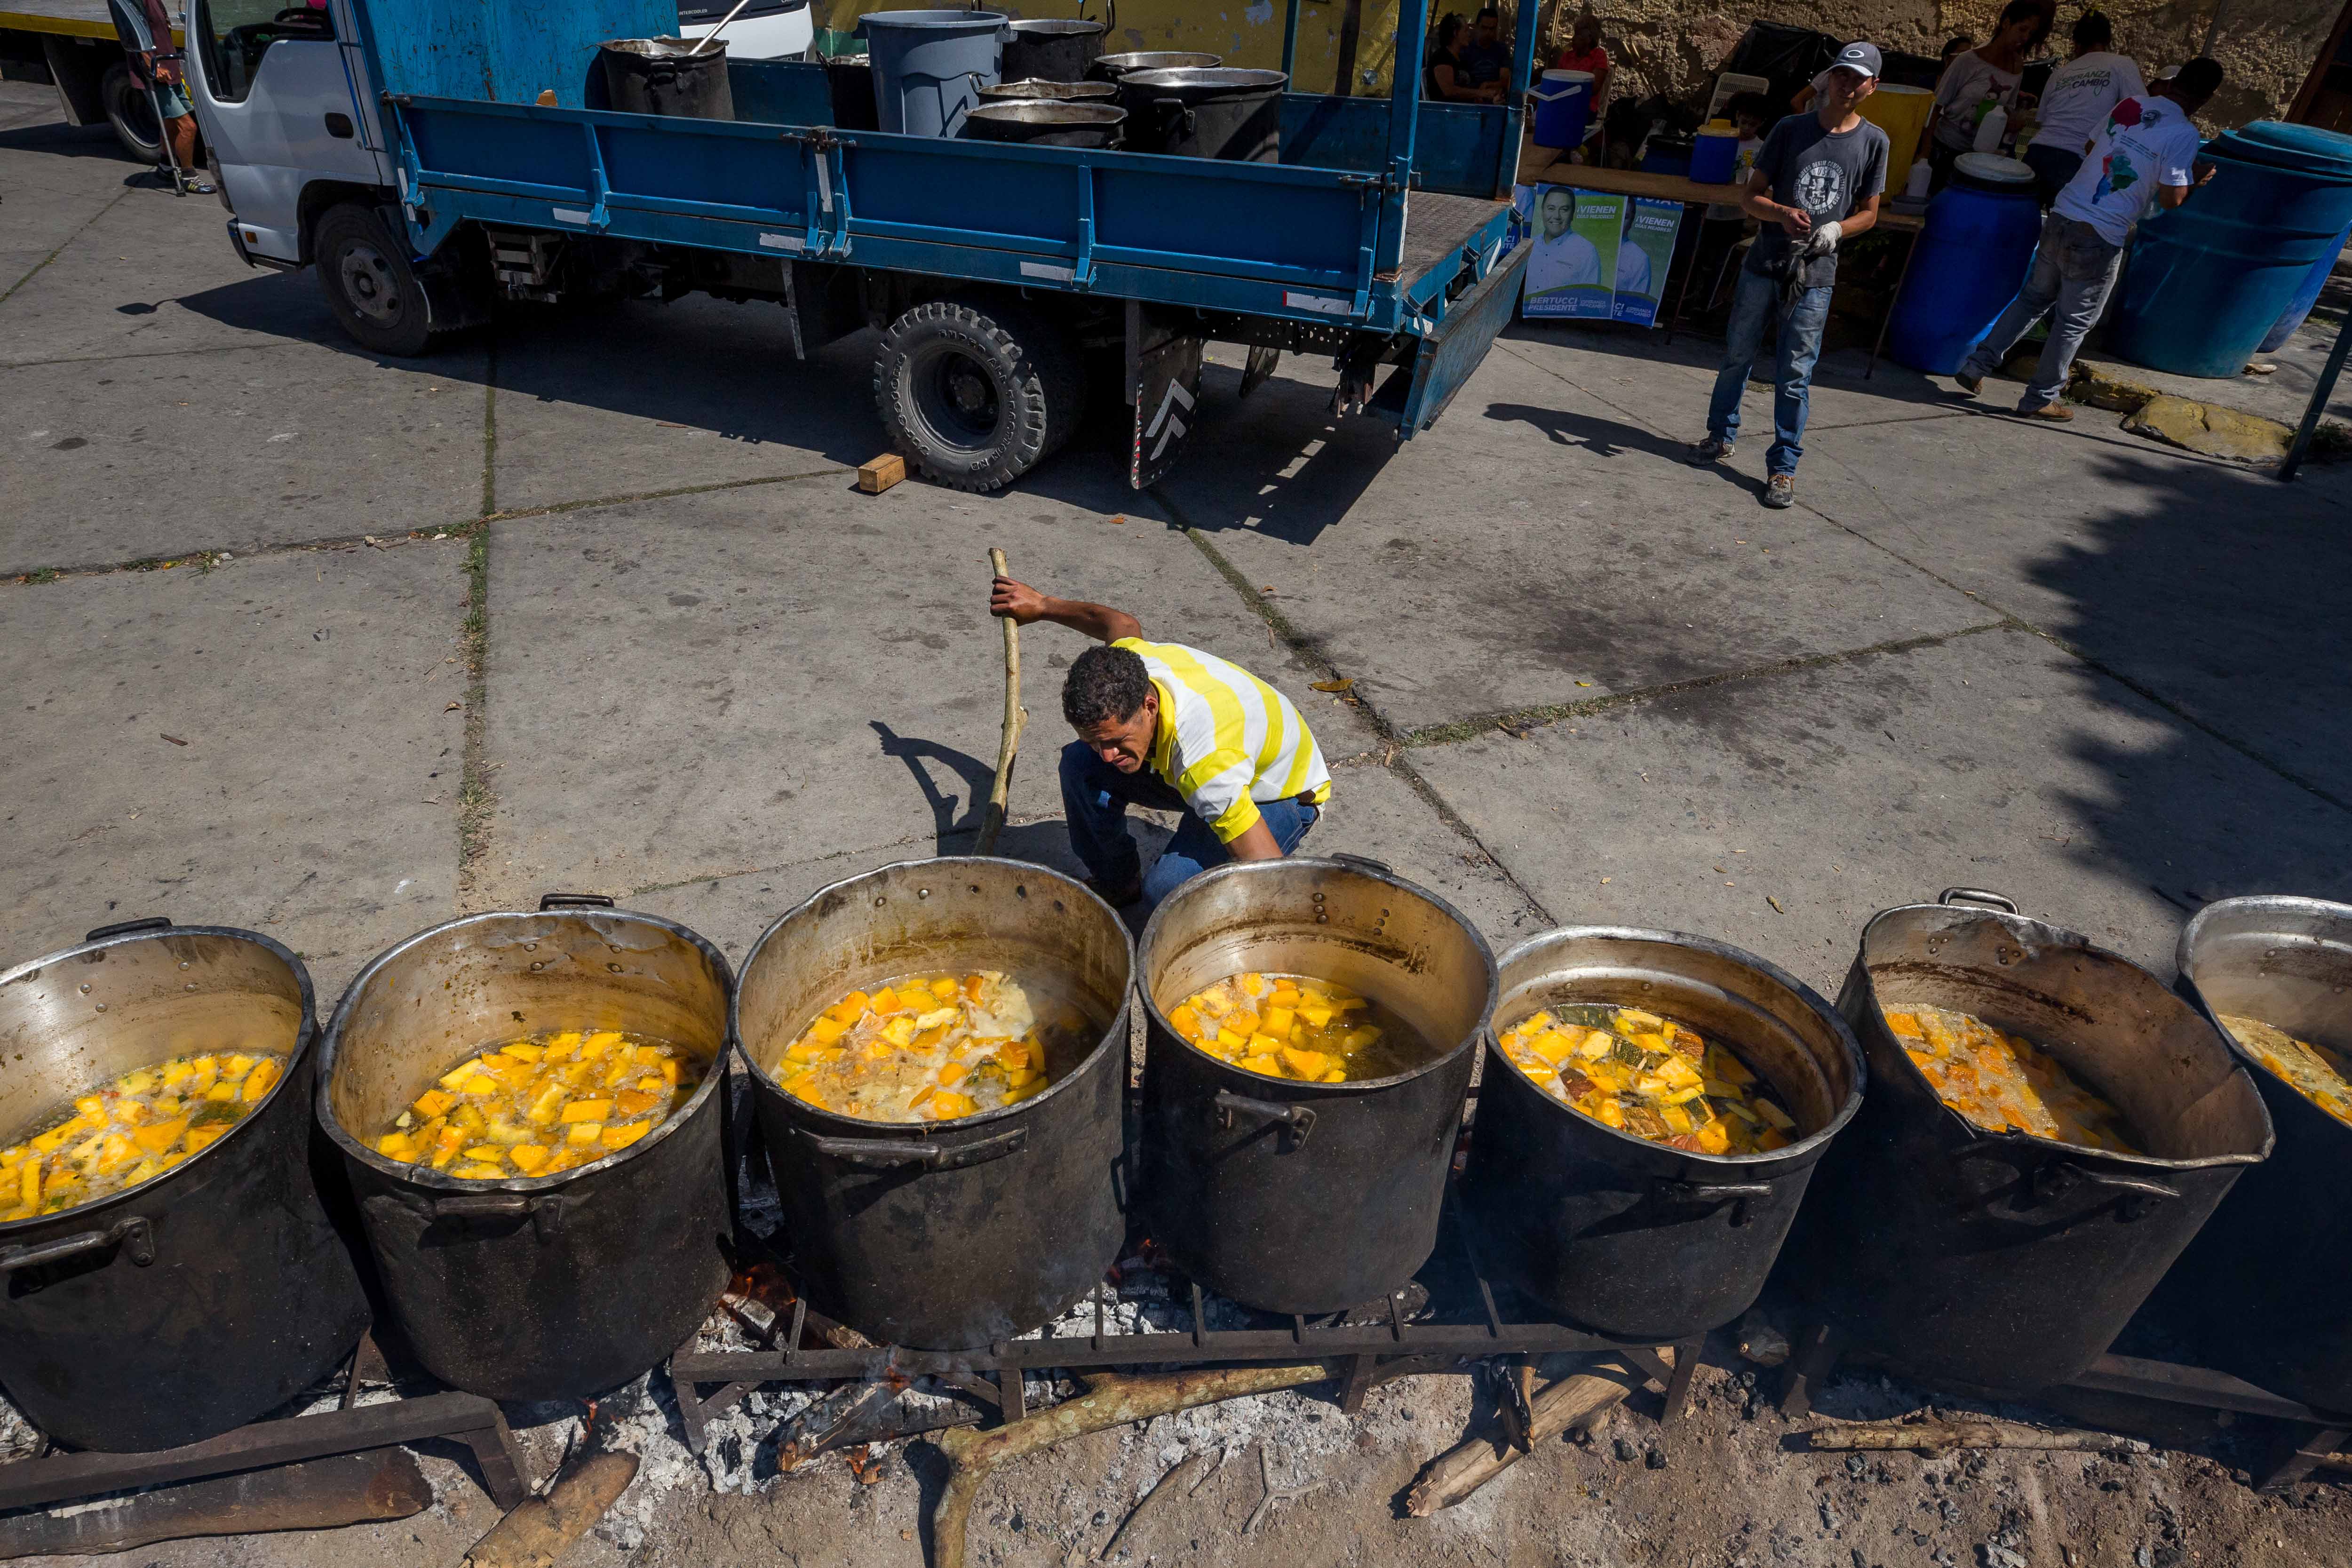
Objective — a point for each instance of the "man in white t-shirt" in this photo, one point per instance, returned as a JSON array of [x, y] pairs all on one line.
[[2075, 102], [2145, 154]]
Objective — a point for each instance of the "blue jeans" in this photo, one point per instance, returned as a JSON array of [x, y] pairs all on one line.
[[2074, 268], [1095, 798], [1756, 301], [2053, 168]]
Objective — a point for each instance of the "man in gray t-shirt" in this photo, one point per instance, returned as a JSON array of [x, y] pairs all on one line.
[[1817, 179]]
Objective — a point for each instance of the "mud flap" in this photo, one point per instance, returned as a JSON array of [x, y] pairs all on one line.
[[1167, 382], [1260, 369], [1418, 392]]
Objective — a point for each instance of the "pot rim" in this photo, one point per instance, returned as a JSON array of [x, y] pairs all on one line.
[[1803, 1149], [2027, 926], [1358, 865], [1114, 1032], [307, 1037], [2184, 953], [425, 1176], [1058, 28]]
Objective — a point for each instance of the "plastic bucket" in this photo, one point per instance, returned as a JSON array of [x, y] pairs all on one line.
[[1051, 50], [1901, 112], [929, 66], [1563, 108], [1715, 157], [2209, 280], [1967, 264], [1668, 155], [666, 76], [2305, 298]]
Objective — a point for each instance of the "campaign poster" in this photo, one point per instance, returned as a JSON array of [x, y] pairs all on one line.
[[1572, 254], [1644, 251]]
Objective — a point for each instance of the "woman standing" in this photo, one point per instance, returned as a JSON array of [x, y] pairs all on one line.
[[1975, 82]]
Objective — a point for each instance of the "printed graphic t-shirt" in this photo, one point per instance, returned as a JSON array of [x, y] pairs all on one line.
[[1828, 174], [2079, 95], [1961, 90], [2146, 142]]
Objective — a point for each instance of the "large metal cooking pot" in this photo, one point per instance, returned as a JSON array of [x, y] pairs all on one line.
[[1217, 111], [2002, 1263], [1110, 68], [197, 1300], [948, 1235], [1043, 123], [539, 1286], [1034, 87], [2270, 1275], [1611, 1230], [1051, 50], [1306, 1197]]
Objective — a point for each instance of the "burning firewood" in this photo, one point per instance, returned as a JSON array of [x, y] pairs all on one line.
[[1109, 1401], [1574, 1400], [1939, 1436]]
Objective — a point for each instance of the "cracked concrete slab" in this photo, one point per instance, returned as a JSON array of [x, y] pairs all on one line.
[[315, 796], [1993, 761]]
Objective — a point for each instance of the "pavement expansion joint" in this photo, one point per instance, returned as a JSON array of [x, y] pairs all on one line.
[[1518, 721], [62, 243], [205, 560], [1306, 648], [591, 503], [236, 348]]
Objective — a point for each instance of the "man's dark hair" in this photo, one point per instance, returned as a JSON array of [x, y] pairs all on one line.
[[2196, 80], [1107, 684], [2094, 31]]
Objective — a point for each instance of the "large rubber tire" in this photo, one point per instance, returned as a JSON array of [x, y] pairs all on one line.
[[368, 283], [131, 113], [976, 394]]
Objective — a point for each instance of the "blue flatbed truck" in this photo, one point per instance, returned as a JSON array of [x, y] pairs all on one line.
[[431, 158]]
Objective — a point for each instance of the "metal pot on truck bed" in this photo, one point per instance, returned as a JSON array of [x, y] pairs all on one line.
[[437, 171]]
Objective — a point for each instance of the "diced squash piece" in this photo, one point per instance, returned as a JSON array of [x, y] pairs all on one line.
[[1016, 1076], [806, 1051], [138, 1082], [1713, 1138], [1309, 1065], [396, 1146], [203, 1138], [1265, 1065], [951, 1074], [52, 1140], [221, 1091], [1021, 1091], [434, 1103], [1014, 1055], [1553, 1046], [1278, 1022], [804, 1087], [883, 1001], [176, 1073], [632, 1102], [260, 1081], [849, 1009], [28, 1185], [947, 1105], [141, 1171], [1315, 1015], [479, 1172], [655, 1086], [583, 1132], [1772, 1138], [622, 1136], [1230, 1040], [479, 1083], [485, 1154], [455, 1079], [900, 1030], [1263, 1045], [928, 1040], [523, 1051], [670, 1071], [826, 1030], [945, 988], [528, 1157], [544, 1110], [1777, 1117], [470, 1118], [1186, 1021], [1336, 1075], [585, 1110], [158, 1136]]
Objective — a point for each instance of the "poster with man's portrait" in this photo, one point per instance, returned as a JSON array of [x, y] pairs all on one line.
[[1594, 256]]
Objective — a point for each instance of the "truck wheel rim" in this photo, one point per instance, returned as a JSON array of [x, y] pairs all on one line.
[[368, 283], [956, 397]]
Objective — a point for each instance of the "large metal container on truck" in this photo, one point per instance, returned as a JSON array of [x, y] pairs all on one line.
[[1205, 111], [552, 1287], [1306, 1197], [2270, 1277], [1051, 49], [948, 1235], [203, 1297], [2206, 281], [2002, 1263], [1611, 1230]]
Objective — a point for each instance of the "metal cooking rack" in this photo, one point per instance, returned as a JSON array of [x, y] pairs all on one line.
[[350, 1428], [1369, 1345], [2311, 1438]]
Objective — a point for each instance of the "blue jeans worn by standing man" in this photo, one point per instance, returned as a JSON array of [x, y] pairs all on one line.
[[1095, 798], [2053, 168], [2074, 267], [1756, 301]]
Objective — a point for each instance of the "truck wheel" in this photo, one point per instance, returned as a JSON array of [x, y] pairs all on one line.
[[369, 282], [977, 395], [131, 113]]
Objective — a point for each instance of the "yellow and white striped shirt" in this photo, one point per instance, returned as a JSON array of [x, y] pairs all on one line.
[[1227, 740]]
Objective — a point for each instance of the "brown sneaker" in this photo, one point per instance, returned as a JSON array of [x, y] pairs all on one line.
[[2056, 414], [1780, 491]]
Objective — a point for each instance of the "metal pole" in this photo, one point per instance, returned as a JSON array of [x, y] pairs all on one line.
[[1404, 120], [1290, 45], [2319, 396], [1515, 94]]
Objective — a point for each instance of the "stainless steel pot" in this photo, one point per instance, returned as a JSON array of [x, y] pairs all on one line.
[[1036, 88], [1608, 1228], [1110, 68], [2270, 1277], [1308, 1197], [950, 1235], [538, 1286], [197, 1300]]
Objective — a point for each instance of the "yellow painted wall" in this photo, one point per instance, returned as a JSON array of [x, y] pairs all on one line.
[[1246, 34]]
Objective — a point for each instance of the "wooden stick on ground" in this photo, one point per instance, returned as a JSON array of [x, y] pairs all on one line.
[[1938, 1436], [1016, 719], [1164, 1488], [1574, 1400], [540, 1532], [1109, 1401]]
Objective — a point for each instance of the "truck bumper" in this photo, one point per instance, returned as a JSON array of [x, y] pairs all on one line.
[[246, 254]]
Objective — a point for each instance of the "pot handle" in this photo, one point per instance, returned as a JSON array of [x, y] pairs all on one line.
[[2048, 1183], [575, 901], [1977, 896], [1296, 1121], [124, 928], [1710, 1195], [890, 1154], [544, 1210], [1164, 104], [136, 1237], [1382, 866]]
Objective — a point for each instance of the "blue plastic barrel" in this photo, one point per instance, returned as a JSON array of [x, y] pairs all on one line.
[[2208, 280], [1967, 264], [2306, 297], [1715, 156], [1563, 108], [929, 66]]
